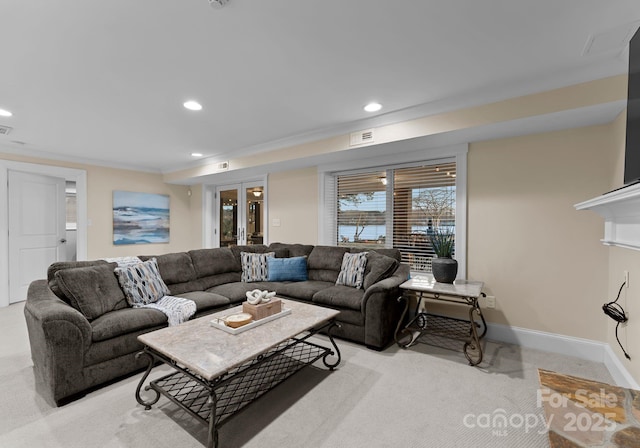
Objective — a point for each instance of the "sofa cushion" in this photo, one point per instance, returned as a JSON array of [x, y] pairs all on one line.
[[92, 290], [142, 283], [205, 300], [352, 270], [236, 292], [60, 265], [178, 289], [324, 263], [174, 268], [340, 296], [214, 261], [389, 252], [378, 268], [292, 250], [219, 279], [292, 269], [253, 248], [302, 290], [254, 266], [124, 321]]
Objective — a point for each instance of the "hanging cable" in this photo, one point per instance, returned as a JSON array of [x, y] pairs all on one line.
[[617, 313]]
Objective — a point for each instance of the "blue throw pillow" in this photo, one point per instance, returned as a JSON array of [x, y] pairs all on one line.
[[287, 269]]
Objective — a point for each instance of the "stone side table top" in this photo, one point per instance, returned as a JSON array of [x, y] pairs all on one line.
[[460, 288], [585, 413], [210, 352]]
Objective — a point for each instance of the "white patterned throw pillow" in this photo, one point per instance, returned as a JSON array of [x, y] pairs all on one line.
[[254, 266], [352, 270], [142, 283]]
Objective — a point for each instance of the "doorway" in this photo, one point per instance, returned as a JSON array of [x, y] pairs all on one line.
[[241, 214], [37, 228], [6, 260]]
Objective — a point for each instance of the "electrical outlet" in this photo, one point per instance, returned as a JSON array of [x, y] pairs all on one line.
[[626, 279], [490, 301]]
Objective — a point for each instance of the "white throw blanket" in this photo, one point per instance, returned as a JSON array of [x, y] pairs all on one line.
[[177, 309], [123, 261]]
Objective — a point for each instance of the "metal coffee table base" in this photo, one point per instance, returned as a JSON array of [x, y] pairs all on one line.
[[213, 402]]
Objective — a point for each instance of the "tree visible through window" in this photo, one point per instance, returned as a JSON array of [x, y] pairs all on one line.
[[422, 200], [361, 210]]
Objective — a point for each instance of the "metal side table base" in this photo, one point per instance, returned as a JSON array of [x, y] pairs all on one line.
[[469, 331]]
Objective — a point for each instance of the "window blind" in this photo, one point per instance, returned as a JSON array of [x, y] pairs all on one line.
[[361, 209], [396, 207], [424, 201]]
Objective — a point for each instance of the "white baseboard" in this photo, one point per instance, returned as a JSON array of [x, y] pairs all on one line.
[[619, 373], [565, 345]]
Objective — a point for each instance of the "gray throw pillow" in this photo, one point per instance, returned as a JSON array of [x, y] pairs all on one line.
[[378, 268], [59, 266], [92, 290]]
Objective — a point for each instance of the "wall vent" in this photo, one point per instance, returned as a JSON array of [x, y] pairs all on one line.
[[361, 137], [218, 3], [4, 130]]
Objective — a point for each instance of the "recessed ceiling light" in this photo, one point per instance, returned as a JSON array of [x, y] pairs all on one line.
[[192, 105], [5, 113], [196, 154], [373, 107]]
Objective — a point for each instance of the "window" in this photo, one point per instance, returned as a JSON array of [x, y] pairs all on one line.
[[361, 209], [397, 206], [424, 201]]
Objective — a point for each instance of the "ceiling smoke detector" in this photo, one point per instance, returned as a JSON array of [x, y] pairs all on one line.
[[218, 3]]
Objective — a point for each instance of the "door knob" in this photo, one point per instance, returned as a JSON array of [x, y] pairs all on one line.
[[63, 240]]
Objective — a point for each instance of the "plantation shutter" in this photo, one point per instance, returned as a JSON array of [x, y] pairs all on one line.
[[424, 201]]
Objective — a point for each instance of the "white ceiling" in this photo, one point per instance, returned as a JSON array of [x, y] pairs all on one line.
[[104, 81]]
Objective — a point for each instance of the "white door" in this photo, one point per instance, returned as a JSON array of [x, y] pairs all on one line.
[[241, 214], [37, 226]]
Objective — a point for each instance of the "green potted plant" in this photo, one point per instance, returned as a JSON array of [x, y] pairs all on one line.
[[444, 267]]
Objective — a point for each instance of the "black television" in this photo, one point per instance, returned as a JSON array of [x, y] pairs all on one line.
[[632, 147]]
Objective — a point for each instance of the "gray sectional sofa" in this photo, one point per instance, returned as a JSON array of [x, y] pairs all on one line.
[[78, 343]]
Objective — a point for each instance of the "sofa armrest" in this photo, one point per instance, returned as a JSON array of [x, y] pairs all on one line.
[[382, 309], [59, 336]]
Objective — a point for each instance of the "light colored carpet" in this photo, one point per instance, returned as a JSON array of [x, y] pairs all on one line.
[[420, 397]]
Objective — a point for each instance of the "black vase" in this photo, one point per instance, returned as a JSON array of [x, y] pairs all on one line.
[[444, 269]]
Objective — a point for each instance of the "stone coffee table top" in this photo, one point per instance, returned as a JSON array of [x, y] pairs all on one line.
[[210, 352], [585, 413]]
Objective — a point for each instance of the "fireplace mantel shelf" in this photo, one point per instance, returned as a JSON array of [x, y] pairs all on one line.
[[621, 212]]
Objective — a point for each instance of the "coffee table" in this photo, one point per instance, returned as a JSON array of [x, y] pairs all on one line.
[[217, 373]]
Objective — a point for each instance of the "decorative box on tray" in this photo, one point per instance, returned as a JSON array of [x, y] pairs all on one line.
[[264, 309]]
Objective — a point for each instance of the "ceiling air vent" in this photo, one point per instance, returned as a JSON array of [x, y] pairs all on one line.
[[613, 39], [222, 166], [4, 130], [218, 3], [361, 137]]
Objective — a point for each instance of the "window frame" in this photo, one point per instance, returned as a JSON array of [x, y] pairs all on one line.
[[327, 176]]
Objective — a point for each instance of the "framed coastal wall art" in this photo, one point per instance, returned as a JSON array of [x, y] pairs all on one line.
[[140, 218]]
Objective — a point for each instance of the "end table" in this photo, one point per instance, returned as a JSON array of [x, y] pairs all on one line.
[[463, 292]]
